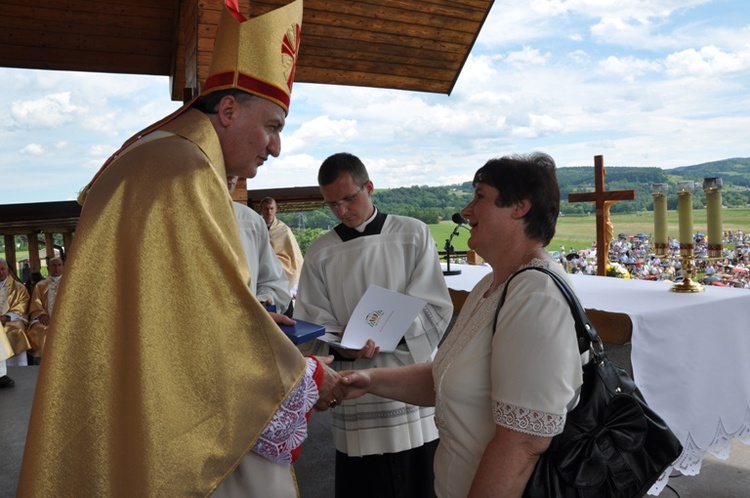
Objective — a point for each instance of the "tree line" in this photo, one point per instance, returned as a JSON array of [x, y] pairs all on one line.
[[435, 204]]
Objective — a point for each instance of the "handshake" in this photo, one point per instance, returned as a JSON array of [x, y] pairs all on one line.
[[345, 385]]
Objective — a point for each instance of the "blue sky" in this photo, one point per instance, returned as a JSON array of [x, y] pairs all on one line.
[[661, 83]]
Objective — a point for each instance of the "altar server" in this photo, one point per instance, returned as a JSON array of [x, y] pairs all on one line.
[[384, 447]]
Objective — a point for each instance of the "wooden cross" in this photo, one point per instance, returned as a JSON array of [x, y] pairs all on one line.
[[603, 199]]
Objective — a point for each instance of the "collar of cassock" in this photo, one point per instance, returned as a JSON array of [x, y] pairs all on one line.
[[373, 228]]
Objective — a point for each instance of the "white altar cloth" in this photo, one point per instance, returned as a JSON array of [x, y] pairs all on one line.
[[690, 356]]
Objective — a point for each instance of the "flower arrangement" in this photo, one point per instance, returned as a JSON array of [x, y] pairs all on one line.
[[617, 270]]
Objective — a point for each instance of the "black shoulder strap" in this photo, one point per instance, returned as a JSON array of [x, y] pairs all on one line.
[[584, 328]]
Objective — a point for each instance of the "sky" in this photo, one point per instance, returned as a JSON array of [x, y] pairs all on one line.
[[661, 83]]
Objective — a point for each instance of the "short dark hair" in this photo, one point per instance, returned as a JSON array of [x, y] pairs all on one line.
[[343, 162], [267, 200], [210, 103], [532, 177]]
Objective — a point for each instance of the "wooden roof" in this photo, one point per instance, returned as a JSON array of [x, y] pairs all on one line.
[[292, 199], [57, 216], [416, 45]]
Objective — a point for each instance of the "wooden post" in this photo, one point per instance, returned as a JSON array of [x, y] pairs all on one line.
[[240, 191], [603, 199], [34, 262], [67, 242], [49, 246], [10, 252]]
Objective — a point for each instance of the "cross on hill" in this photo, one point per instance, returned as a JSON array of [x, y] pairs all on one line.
[[603, 199]]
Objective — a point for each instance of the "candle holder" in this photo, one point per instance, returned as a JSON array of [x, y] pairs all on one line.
[[659, 193], [712, 188], [689, 274], [685, 213]]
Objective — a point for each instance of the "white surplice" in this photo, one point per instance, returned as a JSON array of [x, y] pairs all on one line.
[[402, 257]]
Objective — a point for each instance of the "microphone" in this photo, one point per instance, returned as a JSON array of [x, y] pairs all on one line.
[[459, 221]]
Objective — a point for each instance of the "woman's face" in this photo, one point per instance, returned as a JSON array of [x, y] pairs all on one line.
[[487, 220]]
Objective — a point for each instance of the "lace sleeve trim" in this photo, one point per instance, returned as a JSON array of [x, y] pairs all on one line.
[[287, 430], [527, 421]]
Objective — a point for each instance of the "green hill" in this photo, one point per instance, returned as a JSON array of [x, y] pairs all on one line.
[[434, 205]]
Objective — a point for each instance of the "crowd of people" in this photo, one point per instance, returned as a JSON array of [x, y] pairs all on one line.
[[634, 254]]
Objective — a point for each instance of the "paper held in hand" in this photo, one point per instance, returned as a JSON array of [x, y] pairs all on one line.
[[381, 315]]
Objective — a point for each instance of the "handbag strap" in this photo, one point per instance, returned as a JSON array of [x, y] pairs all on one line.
[[585, 330]]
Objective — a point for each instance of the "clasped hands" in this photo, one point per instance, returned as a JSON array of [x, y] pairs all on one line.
[[350, 384]]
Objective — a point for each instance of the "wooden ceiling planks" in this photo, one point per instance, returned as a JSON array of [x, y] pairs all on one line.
[[416, 45], [122, 36], [410, 45]]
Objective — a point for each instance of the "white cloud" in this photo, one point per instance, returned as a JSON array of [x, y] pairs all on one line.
[[629, 67], [708, 61], [100, 150], [33, 150], [49, 111], [527, 56], [322, 128]]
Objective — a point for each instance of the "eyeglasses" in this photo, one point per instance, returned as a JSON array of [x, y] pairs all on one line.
[[346, 200]]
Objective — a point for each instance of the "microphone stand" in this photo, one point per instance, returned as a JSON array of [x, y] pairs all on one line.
[[448, 251]]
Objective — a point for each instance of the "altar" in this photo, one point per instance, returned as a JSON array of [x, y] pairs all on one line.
[[689, 356]]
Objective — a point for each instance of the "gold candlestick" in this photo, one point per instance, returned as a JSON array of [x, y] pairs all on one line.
[[712, 188], [659, 193], [685, 215]]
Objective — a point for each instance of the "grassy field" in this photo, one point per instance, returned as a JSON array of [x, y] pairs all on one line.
[[580, 231]]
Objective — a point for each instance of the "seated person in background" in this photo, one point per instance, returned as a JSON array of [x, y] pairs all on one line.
[[14, 300], [267, 277], [41, 306], [283, 242]]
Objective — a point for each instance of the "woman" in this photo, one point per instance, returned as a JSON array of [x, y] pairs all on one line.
[[501, 389]]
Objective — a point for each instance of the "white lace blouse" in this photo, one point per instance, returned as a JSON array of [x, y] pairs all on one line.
[[525, 376]]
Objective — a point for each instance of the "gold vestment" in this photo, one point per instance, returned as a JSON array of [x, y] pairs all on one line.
[[38, 306], [13, 339], [287, 250], [160, 369]]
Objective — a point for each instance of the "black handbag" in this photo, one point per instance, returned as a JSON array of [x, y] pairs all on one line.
[[613, 444]]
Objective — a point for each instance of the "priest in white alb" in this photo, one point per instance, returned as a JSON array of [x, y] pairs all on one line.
[[383, 447]]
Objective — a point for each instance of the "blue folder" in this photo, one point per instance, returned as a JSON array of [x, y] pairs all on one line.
[[302, 331]]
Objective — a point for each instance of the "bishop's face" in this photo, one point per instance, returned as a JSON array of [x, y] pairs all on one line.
[[249, 132], [4, 272]]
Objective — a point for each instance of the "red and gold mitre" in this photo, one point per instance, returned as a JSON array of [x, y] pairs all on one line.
[[257, 55]]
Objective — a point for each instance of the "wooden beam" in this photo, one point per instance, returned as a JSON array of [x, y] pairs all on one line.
[[33, 241], [49, 246], [10, 252], [67, 243]]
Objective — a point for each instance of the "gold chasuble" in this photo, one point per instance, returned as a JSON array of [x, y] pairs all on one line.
[[160, 369]]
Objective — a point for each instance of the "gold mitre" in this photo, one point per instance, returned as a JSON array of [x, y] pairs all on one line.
[[257, 55]]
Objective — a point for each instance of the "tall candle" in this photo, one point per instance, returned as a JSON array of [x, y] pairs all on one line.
[[659, 193], [712, 188], [685, 212]]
